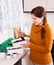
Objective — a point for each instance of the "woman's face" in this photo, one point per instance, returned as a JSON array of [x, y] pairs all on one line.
[[37, 20]]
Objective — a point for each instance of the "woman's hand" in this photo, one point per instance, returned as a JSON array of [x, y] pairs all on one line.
[[26, 45], [21, 34]]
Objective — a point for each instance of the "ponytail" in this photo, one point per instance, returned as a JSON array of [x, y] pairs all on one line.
[[43, 29]]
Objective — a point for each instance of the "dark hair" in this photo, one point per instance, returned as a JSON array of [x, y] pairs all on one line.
[[39, 11]]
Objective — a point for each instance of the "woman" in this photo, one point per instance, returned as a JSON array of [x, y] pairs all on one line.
[[40, 39]]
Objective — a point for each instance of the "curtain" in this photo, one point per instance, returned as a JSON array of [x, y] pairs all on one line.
[[10, 16]]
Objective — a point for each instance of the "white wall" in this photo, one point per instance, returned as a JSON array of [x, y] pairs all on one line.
[[50, 17], [26, 23]]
